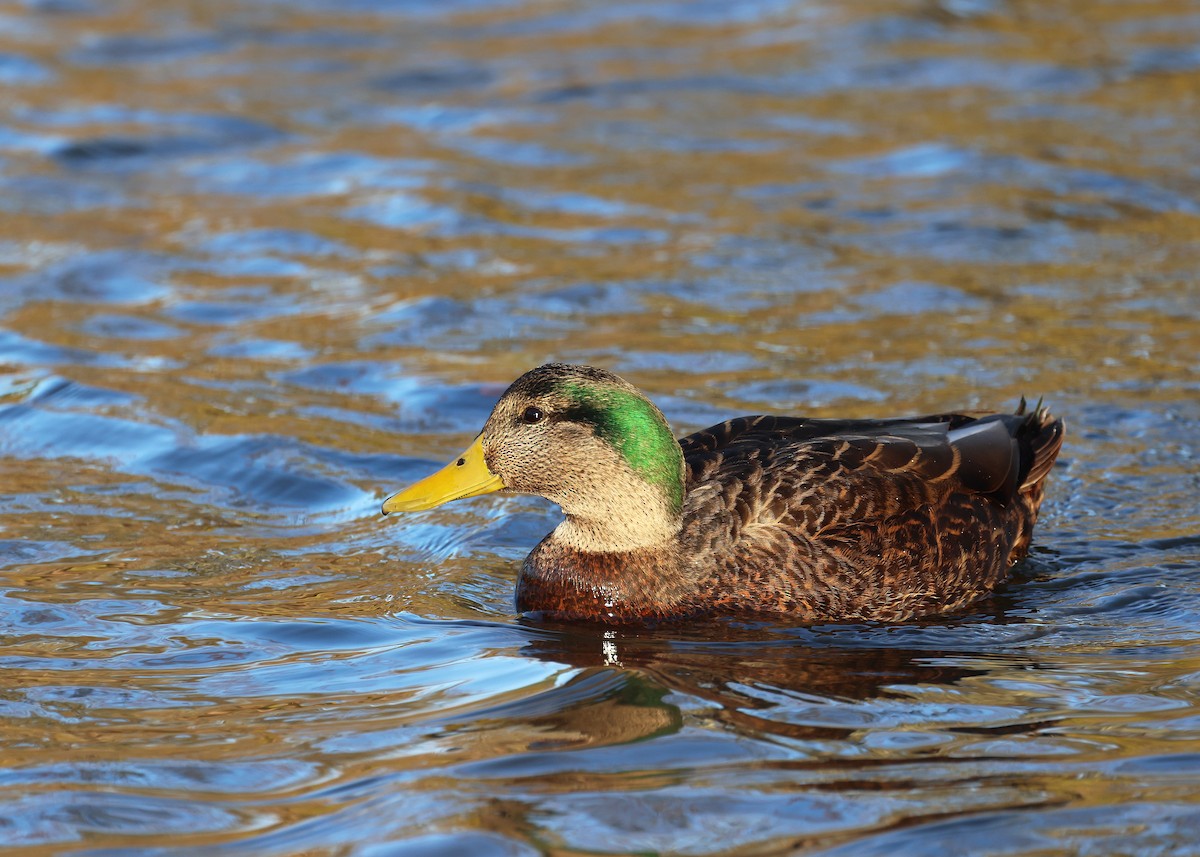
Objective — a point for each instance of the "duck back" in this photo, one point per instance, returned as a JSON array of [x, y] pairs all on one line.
[[849, 520]]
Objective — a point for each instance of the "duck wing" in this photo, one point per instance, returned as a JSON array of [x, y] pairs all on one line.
[[852, 519]]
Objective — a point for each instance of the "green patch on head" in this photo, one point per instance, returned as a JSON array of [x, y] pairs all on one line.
[[636, 429]]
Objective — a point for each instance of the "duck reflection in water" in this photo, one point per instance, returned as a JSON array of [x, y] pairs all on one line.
[[753, 681]]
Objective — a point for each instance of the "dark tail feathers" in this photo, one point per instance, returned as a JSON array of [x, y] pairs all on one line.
[[1040, 437]]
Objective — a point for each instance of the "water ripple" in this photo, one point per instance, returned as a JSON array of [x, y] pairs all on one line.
[[264, 263]]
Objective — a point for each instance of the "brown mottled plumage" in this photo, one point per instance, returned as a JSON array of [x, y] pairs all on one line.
[[812, 520]]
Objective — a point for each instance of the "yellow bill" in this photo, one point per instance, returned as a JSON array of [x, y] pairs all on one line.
[[465, 476]]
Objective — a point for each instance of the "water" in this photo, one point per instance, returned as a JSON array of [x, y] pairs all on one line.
[[263, 263]]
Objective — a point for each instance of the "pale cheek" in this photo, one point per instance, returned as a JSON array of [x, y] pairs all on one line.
[[526, 469]]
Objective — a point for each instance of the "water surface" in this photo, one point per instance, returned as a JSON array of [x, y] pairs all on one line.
[[262, 263]]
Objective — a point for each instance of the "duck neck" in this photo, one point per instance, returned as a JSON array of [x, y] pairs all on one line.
[[626, 530], [619, 514]]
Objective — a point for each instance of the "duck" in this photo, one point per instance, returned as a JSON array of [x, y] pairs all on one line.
[[775, 518]]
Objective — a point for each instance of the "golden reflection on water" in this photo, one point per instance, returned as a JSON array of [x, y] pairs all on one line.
[[262, 261]]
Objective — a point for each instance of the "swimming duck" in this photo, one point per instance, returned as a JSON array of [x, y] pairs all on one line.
[[804, 520]]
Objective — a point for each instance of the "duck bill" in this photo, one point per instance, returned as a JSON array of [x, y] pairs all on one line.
[[465, 476]]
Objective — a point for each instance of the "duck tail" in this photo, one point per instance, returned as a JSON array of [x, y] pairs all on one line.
[[1040, 437]]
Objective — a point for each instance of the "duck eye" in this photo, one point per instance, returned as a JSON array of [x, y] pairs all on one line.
[[532, 415]]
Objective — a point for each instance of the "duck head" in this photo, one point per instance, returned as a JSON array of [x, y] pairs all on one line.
[[583, 438]]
